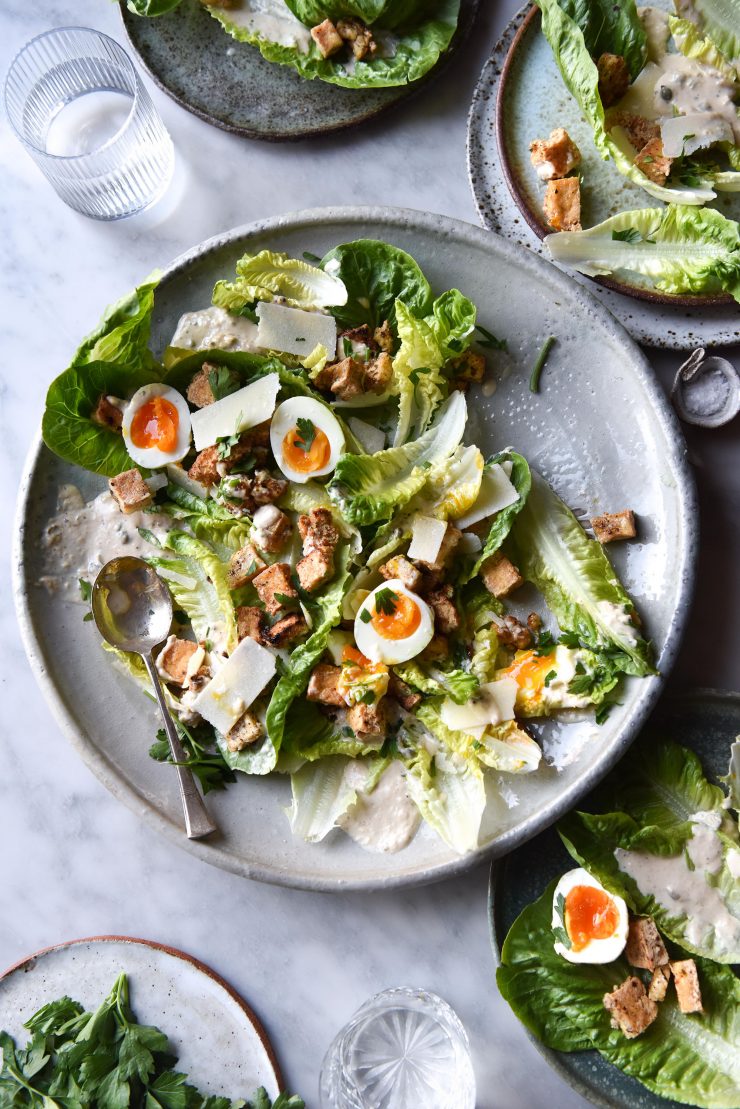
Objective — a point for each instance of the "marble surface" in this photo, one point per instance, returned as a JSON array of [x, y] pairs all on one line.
[[77, 863]]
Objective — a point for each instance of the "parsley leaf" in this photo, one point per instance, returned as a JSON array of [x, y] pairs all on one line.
[[222, 381], [202, 755], [560, 931], [385, 601], [225, 444], [546, 643], [365, 616], [627, 235], [310, 256], [491, 341], [305, 434], [551, 674]]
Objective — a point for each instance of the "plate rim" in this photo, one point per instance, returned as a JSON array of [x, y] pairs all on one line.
[[687, 509], [404, 92], [176, 953]]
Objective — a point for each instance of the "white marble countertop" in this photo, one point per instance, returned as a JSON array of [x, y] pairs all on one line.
[[76, 862]]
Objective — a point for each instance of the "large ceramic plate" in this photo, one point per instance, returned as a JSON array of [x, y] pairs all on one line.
[[520, 96], [228, 83], [600, 430], [707, 721], [220, 1043]]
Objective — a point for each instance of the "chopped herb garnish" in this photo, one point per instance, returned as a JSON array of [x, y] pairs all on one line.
[[347, 732], [414, 375], [534, 379], [688, 860], [550, 676], [385, 601], [85, 589], [627, 235], [285, 600], [248, 311], [368, 697], [226, 443], [490, 340], [546, 643], [310, 256], [305, 434], [222, 381], [570, 639], [365, 616], [602, 712], [560, 931], [454, 344], [346, 346]]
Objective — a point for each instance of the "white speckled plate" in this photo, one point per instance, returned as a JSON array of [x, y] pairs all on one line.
[[520, 95], [600, 430], [219, 1042]]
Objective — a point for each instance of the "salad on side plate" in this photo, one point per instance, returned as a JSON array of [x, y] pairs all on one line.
[[346, 570]]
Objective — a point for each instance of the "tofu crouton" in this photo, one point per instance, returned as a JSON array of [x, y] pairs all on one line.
[[344, 378], [630, 1007], [287, 629], [327, 38], [249, 622], [244, 565], [653, 162], [446, 616], [205, 467], [562, 204], [469, 368], [400, 568], [322, 685], [367, 722], [199, 392], [384, 337], [640, 131], [449, 543], [176, 660], [130, 492], [687, 986], [274, 587], [554, 157], [645, 947], [359, 36], [271, 528], [247, 730], [318, 531], [614, 525], [614, 78], [314, 569], [500, 576], [513, 633], [659, 983], [107, 414], [266, 489], [378, 373], [407, 697]]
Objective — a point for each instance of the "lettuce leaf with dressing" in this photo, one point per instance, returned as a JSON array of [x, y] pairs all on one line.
[[376, 275], [719, 20]]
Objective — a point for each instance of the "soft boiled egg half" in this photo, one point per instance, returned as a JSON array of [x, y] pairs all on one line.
[[306, 438], [393, 624], [156, 426], [590, 924]]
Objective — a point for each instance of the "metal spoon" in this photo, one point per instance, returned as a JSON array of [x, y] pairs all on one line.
[[133, 611]]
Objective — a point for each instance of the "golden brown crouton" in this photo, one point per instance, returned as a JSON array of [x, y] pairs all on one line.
[[513, 633], [249, 622], [470, 367], [314, 569], [384, 337], [448, 545], [361, 335], [287, 629], [640, 131], [266, 489], [367, 721], [407, 697], [130, 492], [359, 36], [659, 983], [107, 414], [437, 649], [446, 616], [327, 38], [247, 730], [653, 162], [272, 528], [244, 565], [614, 525], [175, 658], [400, 568], [554, 157], [318, 531], [274, 587], [645, 947], [322, 685], [630, 1007], [614, 78], [500, 576], [687, 986], [199, 392], [205, 467], [562, 204], [378, 373], [344, 378]]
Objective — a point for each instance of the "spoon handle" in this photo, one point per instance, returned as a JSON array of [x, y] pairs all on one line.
[[197, 821]]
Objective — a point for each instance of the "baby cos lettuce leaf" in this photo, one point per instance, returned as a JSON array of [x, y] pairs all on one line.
[[692, 44], [387, 13], [376, 275], [122, 335], [610, 28], [450, 795], [719, 20], [320, 796], [152, 7], [503, 520], [269, 274], [687, 1057], [681, 249], [577, 579]]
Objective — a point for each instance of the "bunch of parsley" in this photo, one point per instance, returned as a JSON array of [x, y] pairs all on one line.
[[105, 1059]]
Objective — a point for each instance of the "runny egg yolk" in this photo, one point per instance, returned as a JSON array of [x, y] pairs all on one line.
[[398, 619], [155, 424], [529, 672], [590, 914], [303, 458], [355, 664]]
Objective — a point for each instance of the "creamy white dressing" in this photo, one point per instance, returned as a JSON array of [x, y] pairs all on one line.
[[214, 329], [272, 20], [657, 29], [81, 538], [557, 694], [617, 620], [384, 820]]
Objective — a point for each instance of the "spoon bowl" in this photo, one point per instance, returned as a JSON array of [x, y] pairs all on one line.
[[131, 605]]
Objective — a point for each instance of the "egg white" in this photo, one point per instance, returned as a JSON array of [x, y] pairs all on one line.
[[285, 419], [152, 457], [596, 951], [391, 651]]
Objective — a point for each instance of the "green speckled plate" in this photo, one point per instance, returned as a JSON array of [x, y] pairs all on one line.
[[228, 83], [707, 721]]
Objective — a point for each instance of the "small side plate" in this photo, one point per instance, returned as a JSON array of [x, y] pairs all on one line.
[[707, 721]]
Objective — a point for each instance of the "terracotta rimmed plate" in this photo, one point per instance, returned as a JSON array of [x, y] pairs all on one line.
[[637, 457], [520, 96], [219, 1041], [707, 721], [189, 55]]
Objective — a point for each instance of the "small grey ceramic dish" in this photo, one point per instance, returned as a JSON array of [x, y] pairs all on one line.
[[706, 391], [707, 721], [521, 96], [600, 430], [219, 1041], [189, 55]]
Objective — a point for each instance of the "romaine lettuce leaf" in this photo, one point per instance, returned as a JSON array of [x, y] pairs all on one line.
[[151, 7], [692, 44], [458, 685], [577, 580], [122, 335], [386, 13], [505, 746], [681, 249], [259, 758], [269, 274], [450, 795], [376, 275], [320, 796], [610, 28], [719, 20], [503, 520], [687, 1057]]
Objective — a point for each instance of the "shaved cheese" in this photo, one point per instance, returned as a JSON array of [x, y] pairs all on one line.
[[689, 133], [179, 476], [156, 482], [493, 705], [245, 408], [239, 681], [372, 439], [427, 533], [294, 331], [496, 492]]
